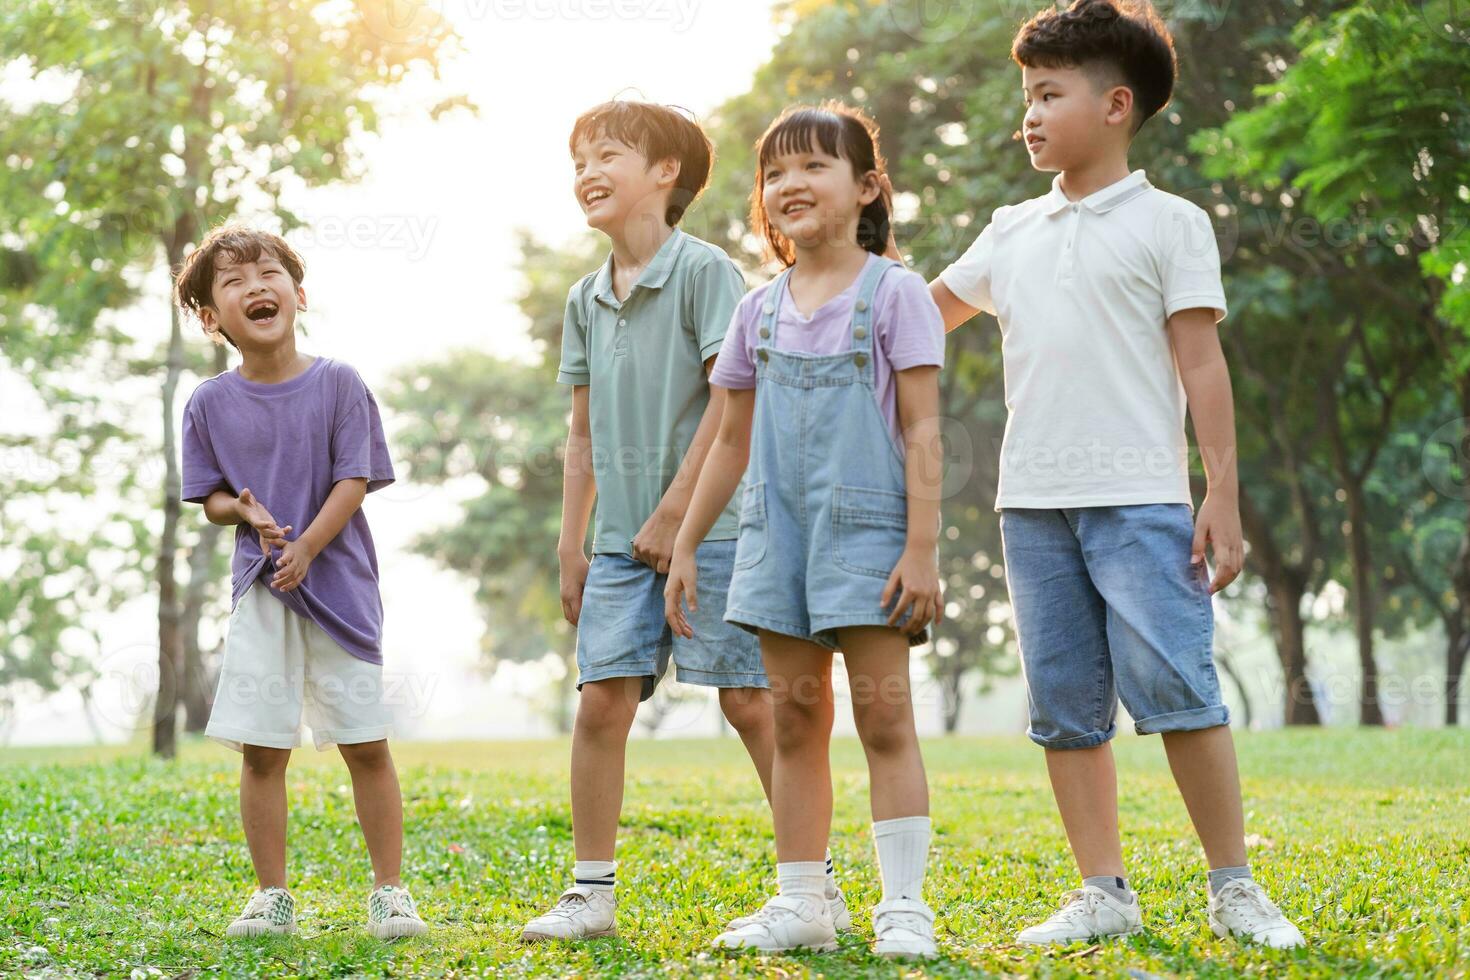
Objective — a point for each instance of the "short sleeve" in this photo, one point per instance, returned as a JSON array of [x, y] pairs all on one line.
[[201, 469], [910, 328], [968, 277], [574, 369], [735, 367], [359, 447], [715, 291], [1189, 262]]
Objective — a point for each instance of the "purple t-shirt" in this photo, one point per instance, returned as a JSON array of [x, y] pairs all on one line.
[[290, 443], [907, 327]]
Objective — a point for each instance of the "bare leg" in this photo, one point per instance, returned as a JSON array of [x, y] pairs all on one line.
[[263, 811], [1085, 784], [379, 806], [1205, 771], [748, 710], [883, 710], [801, 773], [599, 754]]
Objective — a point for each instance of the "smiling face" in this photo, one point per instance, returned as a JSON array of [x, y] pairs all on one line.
[[614, 183], [1072, 115], [814, 198], [253, 303]]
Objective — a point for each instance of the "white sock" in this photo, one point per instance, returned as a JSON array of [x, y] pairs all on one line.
[[903, 851], [831, 891], [597, 875], [802, 879]]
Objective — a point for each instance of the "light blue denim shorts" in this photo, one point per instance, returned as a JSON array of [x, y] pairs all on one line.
[[622, 631], [1107, 606]]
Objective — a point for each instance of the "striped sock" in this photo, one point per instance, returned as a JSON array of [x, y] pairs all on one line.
[[597, 875], [831, 891]]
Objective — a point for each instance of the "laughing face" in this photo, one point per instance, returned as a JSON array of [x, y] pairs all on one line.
[[614, 181], [814, 198], [254, 303]]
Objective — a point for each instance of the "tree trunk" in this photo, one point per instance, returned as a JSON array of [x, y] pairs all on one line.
[[1284, 609], [1455, 655], [198, 688], [1370, 712], [170, 638], [951, 696]]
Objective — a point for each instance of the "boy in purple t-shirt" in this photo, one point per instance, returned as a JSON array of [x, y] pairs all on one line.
[[286, 442]]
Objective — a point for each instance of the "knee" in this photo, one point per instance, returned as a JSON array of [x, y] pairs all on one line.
[[263, 762], [607, 708], [800, 725], [746, 709], [367, 756], [884, 728]]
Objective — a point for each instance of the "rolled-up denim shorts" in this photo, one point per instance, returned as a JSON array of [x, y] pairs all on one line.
[[622, 631], [1107, 606]]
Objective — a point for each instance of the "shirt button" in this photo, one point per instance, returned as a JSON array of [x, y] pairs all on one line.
[[622, 323], [765, 331], [860, 359], [859, 332], [861, 305]]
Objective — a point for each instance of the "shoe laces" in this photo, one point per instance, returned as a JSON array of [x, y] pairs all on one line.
[[398, 903], [1076, 903], [776, 910], [1249, 900], [260, 904], [570, 903], [909, 919]]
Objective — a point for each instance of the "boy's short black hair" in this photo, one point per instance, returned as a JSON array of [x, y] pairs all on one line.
[[237, 243], [1119, 42], [658, 132]]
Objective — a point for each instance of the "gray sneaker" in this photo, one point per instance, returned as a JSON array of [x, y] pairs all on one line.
[[270, 911]]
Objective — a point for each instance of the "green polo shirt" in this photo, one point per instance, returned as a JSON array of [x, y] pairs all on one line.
[[644, 359]]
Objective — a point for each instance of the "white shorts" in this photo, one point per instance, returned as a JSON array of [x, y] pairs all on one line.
[[279, 664]]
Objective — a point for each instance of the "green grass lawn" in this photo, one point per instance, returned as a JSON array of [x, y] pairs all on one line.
[[116, 865]]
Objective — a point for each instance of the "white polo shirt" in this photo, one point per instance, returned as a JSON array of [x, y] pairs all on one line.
[[1083, 291]]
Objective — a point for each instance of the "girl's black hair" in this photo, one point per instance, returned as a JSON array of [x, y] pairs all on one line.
[[839, 130]]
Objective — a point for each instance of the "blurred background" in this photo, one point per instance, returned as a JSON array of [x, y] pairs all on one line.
[[414, 151]]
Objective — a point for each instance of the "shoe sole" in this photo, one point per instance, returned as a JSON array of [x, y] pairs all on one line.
[[905, 954], [1068, 942], [527, 936], [248, 931], [1223, 932], [827, 947], [397, 930]]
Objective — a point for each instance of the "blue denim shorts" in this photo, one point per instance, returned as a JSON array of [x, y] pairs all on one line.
[[1108, 606], [622, 631]]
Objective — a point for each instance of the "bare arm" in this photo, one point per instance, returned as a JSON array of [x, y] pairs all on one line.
[[1206, 379], [579, 483], [724, 466], [344, 500], [954, 310], [223, 507], [915, 579], [654, 543]]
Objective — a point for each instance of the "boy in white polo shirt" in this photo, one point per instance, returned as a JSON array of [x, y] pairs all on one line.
[[1108, 291]]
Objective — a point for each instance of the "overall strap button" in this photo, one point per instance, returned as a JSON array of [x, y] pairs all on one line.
[[860, 359], [861, 305], [763, 354], [860, 332], [765, 332]]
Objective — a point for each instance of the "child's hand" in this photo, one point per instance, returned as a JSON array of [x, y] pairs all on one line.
[[291, 567], [683, 585], [574, 569], [1218, 522], [915, 581], [654, 543], [253, 512]]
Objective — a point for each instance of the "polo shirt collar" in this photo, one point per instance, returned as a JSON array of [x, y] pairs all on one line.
[[1099, 201], [654, 275]]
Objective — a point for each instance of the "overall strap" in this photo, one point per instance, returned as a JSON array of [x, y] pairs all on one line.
[[771, 311], [862, 314]]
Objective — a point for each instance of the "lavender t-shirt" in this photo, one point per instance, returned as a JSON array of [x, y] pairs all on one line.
[[290, 443], [907, 327]]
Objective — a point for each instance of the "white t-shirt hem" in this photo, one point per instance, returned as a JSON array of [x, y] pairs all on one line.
[[1093, 499]]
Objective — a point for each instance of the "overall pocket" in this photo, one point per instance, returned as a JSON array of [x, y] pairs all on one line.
[[869, 529], [750, 548]]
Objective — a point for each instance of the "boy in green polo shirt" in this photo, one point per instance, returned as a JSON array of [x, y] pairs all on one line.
[[640, 337]]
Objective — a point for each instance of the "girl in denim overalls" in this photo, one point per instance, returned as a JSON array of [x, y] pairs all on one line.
[[836, 416]]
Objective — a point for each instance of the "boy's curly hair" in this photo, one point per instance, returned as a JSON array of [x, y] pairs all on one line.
[[237, 243], [1119, 42], [658, 132]]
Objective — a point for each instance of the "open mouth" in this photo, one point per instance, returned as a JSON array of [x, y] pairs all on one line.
[[594, 195], [797, 207], [261, 311]]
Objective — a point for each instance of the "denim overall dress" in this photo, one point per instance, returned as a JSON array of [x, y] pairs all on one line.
[[824, 513]]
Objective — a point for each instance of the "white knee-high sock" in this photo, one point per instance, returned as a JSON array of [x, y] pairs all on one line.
[[903, 852]]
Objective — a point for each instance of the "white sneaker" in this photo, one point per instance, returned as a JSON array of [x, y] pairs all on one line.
[[391, 914], [904, 927], [785, 922], [1088, 912], [269, 911], [1241, 908], [836, 907], [580, 913]]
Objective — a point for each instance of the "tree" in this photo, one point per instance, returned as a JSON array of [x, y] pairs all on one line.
[[178, 114]]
